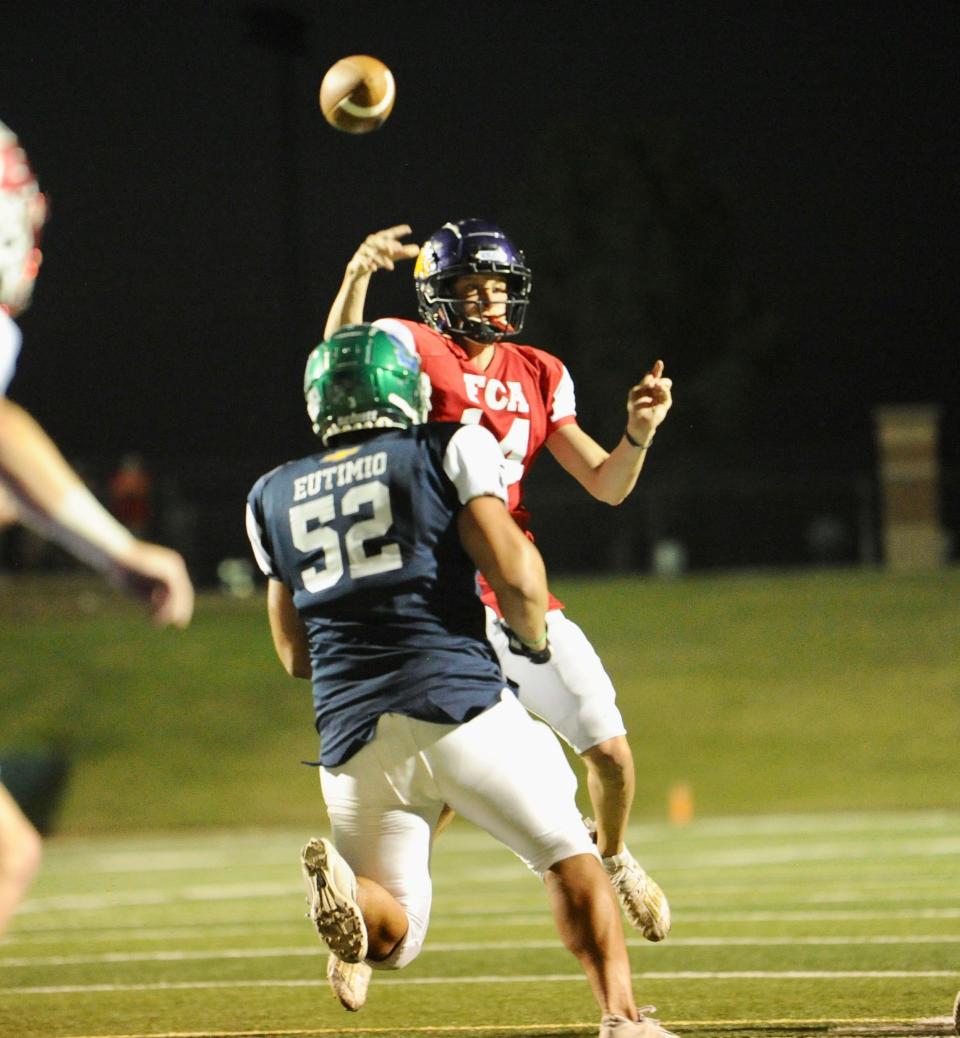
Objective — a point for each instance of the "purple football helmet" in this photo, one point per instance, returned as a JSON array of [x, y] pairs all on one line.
[[470, 247]]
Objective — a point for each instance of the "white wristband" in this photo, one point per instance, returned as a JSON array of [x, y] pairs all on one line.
[[80, 514]]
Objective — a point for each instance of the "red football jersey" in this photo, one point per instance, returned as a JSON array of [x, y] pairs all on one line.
[[522, 397]]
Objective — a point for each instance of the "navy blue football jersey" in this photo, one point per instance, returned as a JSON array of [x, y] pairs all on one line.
[[365, 537]]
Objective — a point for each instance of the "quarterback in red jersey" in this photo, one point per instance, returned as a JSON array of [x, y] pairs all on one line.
[[473, 287], [523, 396]]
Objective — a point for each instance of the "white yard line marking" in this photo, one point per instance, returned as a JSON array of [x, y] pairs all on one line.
[[934, 832], [542, 1030], [245, 892], [816, 916], [446, 947], [793, 852], [857, 1023], [168, 956], [85, 863], [57, 934], [200, 892], [844, 822], [544, 978], [797, 854]]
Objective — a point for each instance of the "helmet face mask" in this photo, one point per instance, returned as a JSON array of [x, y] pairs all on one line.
[[363, 378], [23, 211], [470, 247]]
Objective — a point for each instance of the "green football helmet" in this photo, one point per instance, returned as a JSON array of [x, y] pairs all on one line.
[[363, 378]]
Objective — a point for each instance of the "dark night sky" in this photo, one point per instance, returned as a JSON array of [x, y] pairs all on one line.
[[203, 211]]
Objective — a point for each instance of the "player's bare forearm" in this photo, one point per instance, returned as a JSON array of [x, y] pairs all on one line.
[[607, 476], [287, 630], [611, 476], [53, 500], [379, 251], [615, 479], [348, 305], [30, 462], [512, 565], [524, 602]]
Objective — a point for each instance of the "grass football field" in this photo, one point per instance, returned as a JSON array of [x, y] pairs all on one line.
[[815, 716], [836, 923], [765, 692]]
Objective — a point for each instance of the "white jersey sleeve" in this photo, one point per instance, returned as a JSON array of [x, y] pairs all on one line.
[[564, 398], [9, 349], [260, 553], [475, 464]]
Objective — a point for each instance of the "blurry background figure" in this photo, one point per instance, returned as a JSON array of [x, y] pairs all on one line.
[[236, 578], [175, 516], [669, 558], [131, 487], [43, 491], [827, 540]]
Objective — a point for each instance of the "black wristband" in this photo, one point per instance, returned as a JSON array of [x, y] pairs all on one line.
[[634, 443], [521, 648]]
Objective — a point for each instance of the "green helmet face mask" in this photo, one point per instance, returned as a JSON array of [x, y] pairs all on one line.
[[363, 378]]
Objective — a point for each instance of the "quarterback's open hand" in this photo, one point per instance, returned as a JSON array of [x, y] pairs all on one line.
[[381, 250], [648, 402]]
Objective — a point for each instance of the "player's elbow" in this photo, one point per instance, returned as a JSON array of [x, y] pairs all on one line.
[[606, 491], [299, 667], [613, 492], [295, 662], [612, 498]]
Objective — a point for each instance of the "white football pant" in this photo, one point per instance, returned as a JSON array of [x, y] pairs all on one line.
[[503, 771], [571, 692]]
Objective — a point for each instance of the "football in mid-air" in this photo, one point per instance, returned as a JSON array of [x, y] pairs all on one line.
[[357, 94]]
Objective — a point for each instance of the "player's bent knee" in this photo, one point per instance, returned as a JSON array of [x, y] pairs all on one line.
[[406, 950], [584, 889], [611, 758]]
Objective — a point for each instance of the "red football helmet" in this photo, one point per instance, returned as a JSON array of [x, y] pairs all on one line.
[[23, 211]]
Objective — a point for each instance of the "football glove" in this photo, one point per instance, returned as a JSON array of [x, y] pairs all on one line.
[[520, 648]]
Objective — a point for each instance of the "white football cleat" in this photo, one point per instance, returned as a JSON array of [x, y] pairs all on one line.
[[615, 1026], [332, 900], [642, 900], [349, 982], [956, 1014]]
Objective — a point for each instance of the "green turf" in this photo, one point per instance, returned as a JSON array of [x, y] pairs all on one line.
[[766, 692], [784, 925]]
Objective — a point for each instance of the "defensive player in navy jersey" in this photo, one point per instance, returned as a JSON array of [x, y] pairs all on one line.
[[38, 487], [370, 547]]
